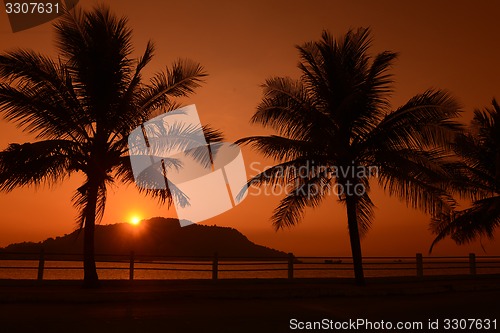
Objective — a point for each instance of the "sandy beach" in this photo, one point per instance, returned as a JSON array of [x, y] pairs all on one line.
[[239, 305]]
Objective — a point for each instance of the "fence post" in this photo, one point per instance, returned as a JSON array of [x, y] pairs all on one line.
[[420, 265], [472, 263], [132, 262], [215, 266], [290, 265], [41, 265]]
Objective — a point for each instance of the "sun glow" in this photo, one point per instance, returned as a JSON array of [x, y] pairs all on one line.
[[135, 220]]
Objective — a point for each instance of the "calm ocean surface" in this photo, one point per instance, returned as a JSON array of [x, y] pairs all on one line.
[[73, 270]]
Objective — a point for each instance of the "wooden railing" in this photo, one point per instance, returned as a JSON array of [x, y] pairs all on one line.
[[294, 267]]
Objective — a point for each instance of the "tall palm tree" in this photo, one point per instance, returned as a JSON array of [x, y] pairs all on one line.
[[477, 178], [336, 131], [81, 107]]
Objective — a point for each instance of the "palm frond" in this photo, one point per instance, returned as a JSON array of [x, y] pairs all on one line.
[[49, 161], [380, 81], [278, 147], [82, 203], [478, 179], [287, 108], [426, 120], [417, 177], [128, 115], [43, 100], [306, 193], [212, 134], [373, 97], [469, 224], [178, 81]]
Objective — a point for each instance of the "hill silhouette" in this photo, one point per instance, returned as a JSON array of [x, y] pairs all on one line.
[[154, 237]]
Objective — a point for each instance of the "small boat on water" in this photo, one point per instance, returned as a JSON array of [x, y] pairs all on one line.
[[331, 261]]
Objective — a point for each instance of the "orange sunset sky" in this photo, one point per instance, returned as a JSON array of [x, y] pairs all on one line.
[[445, 44]]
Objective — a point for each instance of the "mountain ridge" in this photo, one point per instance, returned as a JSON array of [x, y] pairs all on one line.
[[156, 236]]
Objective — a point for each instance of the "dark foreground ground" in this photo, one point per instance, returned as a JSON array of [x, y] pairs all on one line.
[[243, 306]]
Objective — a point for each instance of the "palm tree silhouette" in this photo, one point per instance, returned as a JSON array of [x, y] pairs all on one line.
[[81, 108], [335, 125], [477, 178]]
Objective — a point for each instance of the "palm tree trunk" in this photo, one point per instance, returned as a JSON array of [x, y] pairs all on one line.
[[90, 278], [357, 257]]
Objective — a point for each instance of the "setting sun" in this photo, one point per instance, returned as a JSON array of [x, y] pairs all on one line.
[[135, 220]]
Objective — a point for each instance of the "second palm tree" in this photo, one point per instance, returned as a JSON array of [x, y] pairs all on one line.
[[336, 130]]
